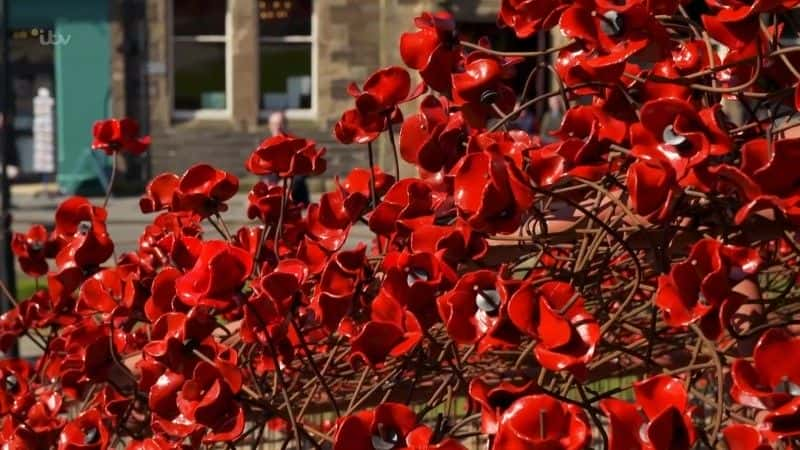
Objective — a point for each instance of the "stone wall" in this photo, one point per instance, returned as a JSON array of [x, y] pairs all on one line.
[[354, 37]]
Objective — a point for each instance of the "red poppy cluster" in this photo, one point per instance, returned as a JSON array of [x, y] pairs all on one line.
[[626, 281]]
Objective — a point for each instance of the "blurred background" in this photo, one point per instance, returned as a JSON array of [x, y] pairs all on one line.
[[202, 76]]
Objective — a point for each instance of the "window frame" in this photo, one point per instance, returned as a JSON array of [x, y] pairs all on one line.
[[202, 113], [295, 113]]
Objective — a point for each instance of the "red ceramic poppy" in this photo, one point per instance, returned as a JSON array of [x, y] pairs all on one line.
[[88, 431], [495, 400], [744, 437], [781, 423], [335, 292], [541, 421], [101, 293], [457, 242], [81, 228], [114, 135], [665, 403], [626, 31], [357, 182], [376, 105], [651, 184], [382, 428], [265, 202], [423, 438], [207, 399], [406, 200], [414, 281], [771, 380], [480, 87], [393, 331], [32, 250], [433, 49], [204, 190], [672, 130], [491, 193], [527, 17], [286, 156], [554, 314], [698, 286], [159, 193], [666, 421], [216, 277], [580, 68], [766, 178], [15, 376], [173, 336], [476, 308], [433, 139]]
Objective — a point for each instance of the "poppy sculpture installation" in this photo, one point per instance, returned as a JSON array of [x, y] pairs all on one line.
[[629, 286]]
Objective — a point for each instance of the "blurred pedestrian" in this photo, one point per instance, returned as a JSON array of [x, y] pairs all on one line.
[[551, 121], [278, 126]]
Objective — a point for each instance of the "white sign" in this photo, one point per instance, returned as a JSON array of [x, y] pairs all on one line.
[[43, 145]]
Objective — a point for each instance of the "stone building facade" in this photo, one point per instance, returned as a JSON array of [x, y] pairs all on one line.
[[341, 41]]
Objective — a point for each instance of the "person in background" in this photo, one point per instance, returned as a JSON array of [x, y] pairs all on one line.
[[551, 121], [525, 121], [277, 126]]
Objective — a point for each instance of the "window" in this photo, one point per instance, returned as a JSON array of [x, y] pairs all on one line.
[[286, 48], [199, 56]]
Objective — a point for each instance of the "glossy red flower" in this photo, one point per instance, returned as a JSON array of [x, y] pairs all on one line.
[[455, 243], [335, 293], [159, 193], [433, 139], [541, 421], [88, 431], [265, 202], [697, 287], [204, 190], [766, 178], [652, 187], [667, 421], [32, 250], [673, 131], [414, 281], [392, 331], [207, 399], [286, 156], [480, 88], [475, 310], [491, 192], [495, 400], [744, 437], [217, 276], [433, 49], [114, 135], [554, 313], [382, 428], [423, 438], [771, 380], [376, 105], [527, 17], [405, 201], [81, 232]]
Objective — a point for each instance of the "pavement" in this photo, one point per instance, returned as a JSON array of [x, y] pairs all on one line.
[[125, 221]]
